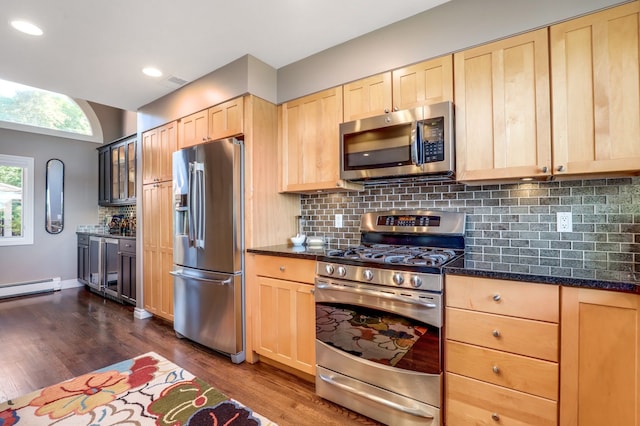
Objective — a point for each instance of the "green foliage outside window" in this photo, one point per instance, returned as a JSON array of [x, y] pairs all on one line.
[[12, 178], [40, 108]]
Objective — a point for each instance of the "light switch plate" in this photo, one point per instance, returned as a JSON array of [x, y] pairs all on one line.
[[565, 222]]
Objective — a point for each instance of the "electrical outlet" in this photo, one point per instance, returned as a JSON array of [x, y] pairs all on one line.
[[565, 222], [338, 221]]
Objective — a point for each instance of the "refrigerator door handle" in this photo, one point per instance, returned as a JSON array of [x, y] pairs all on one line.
[[200, 203], [190, 209], [209, 280]]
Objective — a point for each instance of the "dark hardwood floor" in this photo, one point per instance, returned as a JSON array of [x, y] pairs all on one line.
[[48, 338]]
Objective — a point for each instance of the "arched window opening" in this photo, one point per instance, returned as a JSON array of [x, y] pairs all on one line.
[[40, 111]]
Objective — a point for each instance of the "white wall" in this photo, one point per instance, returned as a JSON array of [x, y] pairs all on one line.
[[52, 255], [56, 255]]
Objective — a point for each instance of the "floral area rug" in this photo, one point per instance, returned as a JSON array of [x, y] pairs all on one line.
[[146, 390]]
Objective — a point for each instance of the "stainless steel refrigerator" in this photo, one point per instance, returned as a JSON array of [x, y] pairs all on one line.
[[208, 247]]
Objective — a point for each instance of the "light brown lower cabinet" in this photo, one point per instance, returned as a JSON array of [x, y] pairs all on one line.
[[281, 312], [501, 352], [157, 249], [474, 402], [600, 374]]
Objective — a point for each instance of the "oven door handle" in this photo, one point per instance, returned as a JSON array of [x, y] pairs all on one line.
[[409, 410], [377, 293]]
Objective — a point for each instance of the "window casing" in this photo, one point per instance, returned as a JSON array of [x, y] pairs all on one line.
[[16, 200]]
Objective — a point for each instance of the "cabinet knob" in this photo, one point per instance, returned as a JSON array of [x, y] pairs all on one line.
[[281, 268], [496, 297], [386, 110], [496, 333], [496, 369], [561, 168], [545, 169], [495, 417]]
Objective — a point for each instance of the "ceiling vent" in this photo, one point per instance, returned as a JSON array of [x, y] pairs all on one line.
[[173, 82]]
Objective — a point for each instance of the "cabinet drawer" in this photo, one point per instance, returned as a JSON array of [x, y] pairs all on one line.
[[529, 375], [524, 337], [127, 245], [83, 239], [472, 402], [514, 298], [286, 268]]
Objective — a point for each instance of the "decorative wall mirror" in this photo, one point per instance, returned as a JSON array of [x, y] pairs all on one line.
[[54, 197]]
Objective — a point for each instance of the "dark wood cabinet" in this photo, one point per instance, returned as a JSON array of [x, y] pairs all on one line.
[[117, 172], [104, 173], [83, 258], [121, 282], [127, 270]]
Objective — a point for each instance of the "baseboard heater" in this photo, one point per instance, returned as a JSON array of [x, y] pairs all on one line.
[[29, 287]]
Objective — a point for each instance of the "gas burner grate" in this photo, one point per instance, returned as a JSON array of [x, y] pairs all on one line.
[[396, 255]]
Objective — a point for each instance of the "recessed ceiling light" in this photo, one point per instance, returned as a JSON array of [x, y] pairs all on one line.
[[26, 27], [152, 72]]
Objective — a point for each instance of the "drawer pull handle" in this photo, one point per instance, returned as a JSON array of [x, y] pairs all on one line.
[[496, 333], [282, 269], [495, 417], [496, 369], [496, 297]]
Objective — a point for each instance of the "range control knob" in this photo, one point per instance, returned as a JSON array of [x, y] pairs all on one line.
[[368, 275], [328, 269], [342, 271], [416, 281], [398, 279]]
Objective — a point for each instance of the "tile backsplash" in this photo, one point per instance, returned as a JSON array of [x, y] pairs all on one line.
[[507, 219], [103, 213]]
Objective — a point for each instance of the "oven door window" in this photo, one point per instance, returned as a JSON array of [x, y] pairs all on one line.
[[380, 148], [379, 336]]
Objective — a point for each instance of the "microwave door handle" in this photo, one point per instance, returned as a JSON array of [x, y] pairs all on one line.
[[417, 155]]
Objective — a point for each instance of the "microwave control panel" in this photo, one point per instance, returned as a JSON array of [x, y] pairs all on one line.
[[431, 147]]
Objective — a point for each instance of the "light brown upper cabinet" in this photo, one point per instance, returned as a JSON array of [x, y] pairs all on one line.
[[158, 146], [193, 129], [412, 86], [503, 109], [226, 119], [367, 97], [309, 137], [424, 83], [596, 92], [220, 121]]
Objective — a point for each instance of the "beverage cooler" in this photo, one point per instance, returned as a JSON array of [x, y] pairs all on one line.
[[103, 265]]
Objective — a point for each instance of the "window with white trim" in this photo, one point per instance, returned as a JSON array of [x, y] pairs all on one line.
[[16, 200]]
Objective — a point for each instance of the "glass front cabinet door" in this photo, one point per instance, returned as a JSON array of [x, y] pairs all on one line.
[[117, 168]]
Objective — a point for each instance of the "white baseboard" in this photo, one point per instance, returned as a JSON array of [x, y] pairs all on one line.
[[70, 284], [140, 313], [32, 287]]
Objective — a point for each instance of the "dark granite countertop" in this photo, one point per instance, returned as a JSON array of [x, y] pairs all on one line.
[[574, 274], [302, 252], [128, 236]]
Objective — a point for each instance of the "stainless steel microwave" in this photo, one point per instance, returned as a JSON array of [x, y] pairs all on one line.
[[415, 142]]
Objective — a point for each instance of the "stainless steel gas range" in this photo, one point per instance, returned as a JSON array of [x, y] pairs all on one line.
[[379, 316]]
